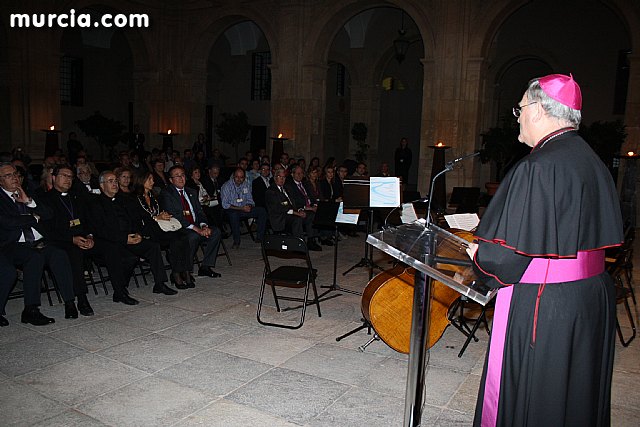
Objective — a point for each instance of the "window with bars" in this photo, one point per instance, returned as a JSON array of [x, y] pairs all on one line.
[[71, 82], [340, 79], [261, 77]]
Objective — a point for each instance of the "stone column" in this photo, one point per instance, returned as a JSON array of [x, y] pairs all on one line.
[[423, 154], [34, 89], [632, 122]]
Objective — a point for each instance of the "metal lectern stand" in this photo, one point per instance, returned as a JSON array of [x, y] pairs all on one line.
[[418, 246]]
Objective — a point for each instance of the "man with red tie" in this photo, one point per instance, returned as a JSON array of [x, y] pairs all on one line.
[[182, 203], [299, 195]]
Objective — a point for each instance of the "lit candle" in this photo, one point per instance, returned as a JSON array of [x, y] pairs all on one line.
[[279, 135], [169, 132], [52, 127], [439, 144], [631, 154]]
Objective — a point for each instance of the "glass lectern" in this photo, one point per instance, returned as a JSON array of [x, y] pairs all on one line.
[[432, 251]]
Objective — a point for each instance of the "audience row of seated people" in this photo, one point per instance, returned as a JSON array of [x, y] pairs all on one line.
[[113, 220], [63, 228]]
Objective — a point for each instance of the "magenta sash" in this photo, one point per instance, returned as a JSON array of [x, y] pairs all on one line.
[[496, 352], [549, 270]]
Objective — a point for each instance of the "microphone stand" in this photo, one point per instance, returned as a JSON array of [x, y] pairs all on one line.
[[448, 167]]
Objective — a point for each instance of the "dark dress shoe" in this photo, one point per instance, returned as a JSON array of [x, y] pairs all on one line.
[[326, 242], [34, 317], [3, 321], [313, 246], [70, 310], [208, 271], [163, 289], [188, 280], [125, 299], [178, 281], [84, 307]]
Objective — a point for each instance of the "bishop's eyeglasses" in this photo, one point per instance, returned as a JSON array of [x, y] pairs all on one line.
[[517, 110]]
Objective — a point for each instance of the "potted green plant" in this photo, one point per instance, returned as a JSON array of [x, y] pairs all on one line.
[[359, 133], [106, 132], [605, 138], [500, 146], [233, 129]]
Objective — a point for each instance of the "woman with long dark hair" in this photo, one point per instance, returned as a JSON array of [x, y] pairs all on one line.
[[147, 210], [329, 187]]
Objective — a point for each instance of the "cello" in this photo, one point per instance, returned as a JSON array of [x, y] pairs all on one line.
[[387, 302]]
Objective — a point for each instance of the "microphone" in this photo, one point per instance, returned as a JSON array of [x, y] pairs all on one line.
[[450, 164], [448, 167]]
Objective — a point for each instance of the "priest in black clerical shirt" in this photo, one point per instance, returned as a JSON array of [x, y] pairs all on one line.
[[70, 229], [112, 223]]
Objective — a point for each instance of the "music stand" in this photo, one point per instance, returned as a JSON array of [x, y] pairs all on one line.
[[356, 196], [325, 217]]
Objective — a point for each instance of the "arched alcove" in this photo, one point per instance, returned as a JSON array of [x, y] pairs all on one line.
[[531, 37], [96, 74], [362, 55], [239, 79]]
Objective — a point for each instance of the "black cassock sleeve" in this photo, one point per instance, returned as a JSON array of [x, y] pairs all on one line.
[[497, 265]]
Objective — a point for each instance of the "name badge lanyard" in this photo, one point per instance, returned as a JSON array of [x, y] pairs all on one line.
[[69, 208]]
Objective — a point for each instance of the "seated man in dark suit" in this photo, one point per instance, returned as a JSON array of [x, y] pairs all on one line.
[[300, 197], [112, 223], [283, 213], [71, 230], [260, 184], [238, 204], [211, 182], [22, 244], [85, 183], [182, 203]]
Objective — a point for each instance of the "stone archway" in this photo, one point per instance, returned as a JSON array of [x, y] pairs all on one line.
[[365, 81], [197, 70]]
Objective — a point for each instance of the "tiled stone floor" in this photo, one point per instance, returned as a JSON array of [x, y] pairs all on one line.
[[201, 358]]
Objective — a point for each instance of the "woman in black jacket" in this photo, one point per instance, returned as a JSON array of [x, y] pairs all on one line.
[[144, 207]]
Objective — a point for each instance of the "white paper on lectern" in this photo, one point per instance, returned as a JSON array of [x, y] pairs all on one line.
[[384, 192], [466, 221], [408, 214], [344, 218]]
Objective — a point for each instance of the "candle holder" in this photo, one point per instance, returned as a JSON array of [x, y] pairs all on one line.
[[51, 142], [167, 140], [440, 186], [277, 147]]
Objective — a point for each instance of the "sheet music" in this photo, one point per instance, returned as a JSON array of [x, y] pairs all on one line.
[[466, 221], [345, 218], [384, 192]]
